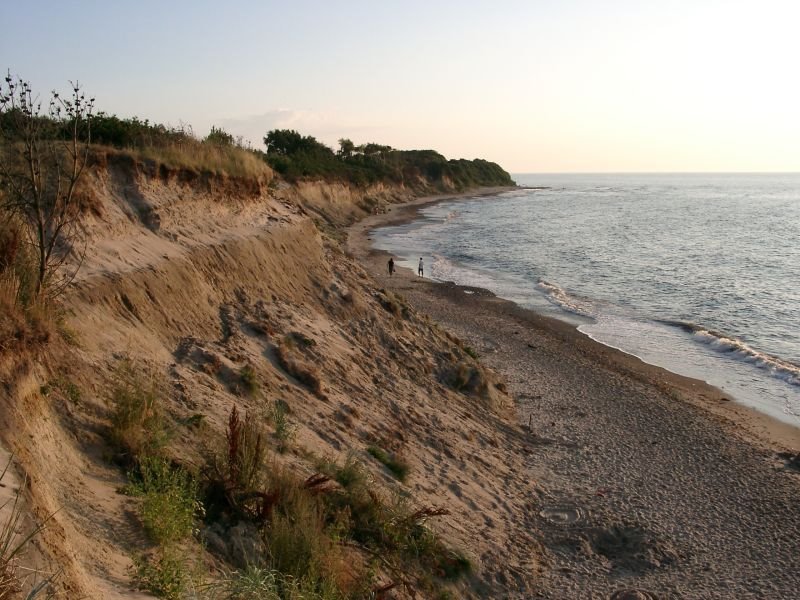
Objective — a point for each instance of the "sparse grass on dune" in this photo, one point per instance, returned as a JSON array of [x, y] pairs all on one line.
[[290, 361], [310, 537], [198, 157], [396, 464], [230, 161], [26, 320]]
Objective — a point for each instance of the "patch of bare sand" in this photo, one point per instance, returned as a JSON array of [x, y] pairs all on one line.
[[645, 480]]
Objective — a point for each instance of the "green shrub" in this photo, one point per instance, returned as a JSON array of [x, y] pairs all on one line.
[[284, 429], [396, 465], [396, 531], [351, 473], [169, 502], [167, 574], [296, 156], [138, 426]]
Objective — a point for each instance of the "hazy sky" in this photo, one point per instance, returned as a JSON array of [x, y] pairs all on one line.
[[617, 85]]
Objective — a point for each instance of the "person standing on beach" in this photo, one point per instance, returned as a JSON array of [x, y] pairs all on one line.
[[420, 269], [391, 266]]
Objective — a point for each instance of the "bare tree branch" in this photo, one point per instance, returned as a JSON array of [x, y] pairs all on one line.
[[42, 158]]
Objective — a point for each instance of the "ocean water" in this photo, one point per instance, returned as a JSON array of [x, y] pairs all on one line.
[[696, 273]]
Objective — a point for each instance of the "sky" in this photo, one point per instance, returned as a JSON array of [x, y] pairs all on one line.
[[537, 86]]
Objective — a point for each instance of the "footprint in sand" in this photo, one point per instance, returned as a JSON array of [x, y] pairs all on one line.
[[563, 515]]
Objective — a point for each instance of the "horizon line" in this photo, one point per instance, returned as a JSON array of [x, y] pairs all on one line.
[[654, 172]]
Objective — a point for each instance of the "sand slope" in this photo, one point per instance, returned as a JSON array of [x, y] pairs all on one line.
[[193, 283]]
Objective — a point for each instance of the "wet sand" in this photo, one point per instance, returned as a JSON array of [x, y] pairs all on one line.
[[645, 479]]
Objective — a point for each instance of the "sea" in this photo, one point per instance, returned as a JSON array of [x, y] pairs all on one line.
[[695, 273]]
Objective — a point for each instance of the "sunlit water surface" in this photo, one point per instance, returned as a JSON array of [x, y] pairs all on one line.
[[699, 274]]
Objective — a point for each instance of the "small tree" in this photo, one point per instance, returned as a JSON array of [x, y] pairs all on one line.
[[42, 158], [346, 147]]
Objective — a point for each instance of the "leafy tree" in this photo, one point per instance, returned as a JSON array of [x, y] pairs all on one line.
[[346, 148], [284, 142], [43, 155], [288, 142]]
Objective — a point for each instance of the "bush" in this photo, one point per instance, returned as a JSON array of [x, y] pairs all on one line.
[[351, 473], [300, 538], [169, 501], [259, 583]]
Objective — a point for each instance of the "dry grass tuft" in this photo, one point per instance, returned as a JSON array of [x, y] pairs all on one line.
[[298, 368], [396, 464], [196, 157], [393, 303], [25, 318], [12, 545]]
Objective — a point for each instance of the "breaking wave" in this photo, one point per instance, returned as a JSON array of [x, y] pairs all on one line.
[[562, 299], [740, 350]]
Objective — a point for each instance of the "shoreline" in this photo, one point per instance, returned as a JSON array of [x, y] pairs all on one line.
[[642, 479], [754, 425]]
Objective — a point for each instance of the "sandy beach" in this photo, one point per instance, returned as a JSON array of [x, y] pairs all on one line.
[[644, 480]]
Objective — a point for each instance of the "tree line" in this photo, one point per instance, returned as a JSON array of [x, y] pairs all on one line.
[[45, 151]]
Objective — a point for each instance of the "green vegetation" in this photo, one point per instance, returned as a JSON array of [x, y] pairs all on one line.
[[284, 429], [471, 352], [315, 539], [166, 574], [296, 156], [236, 476], [259, 583], [138, 427], [169, 503], [396, 465]]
